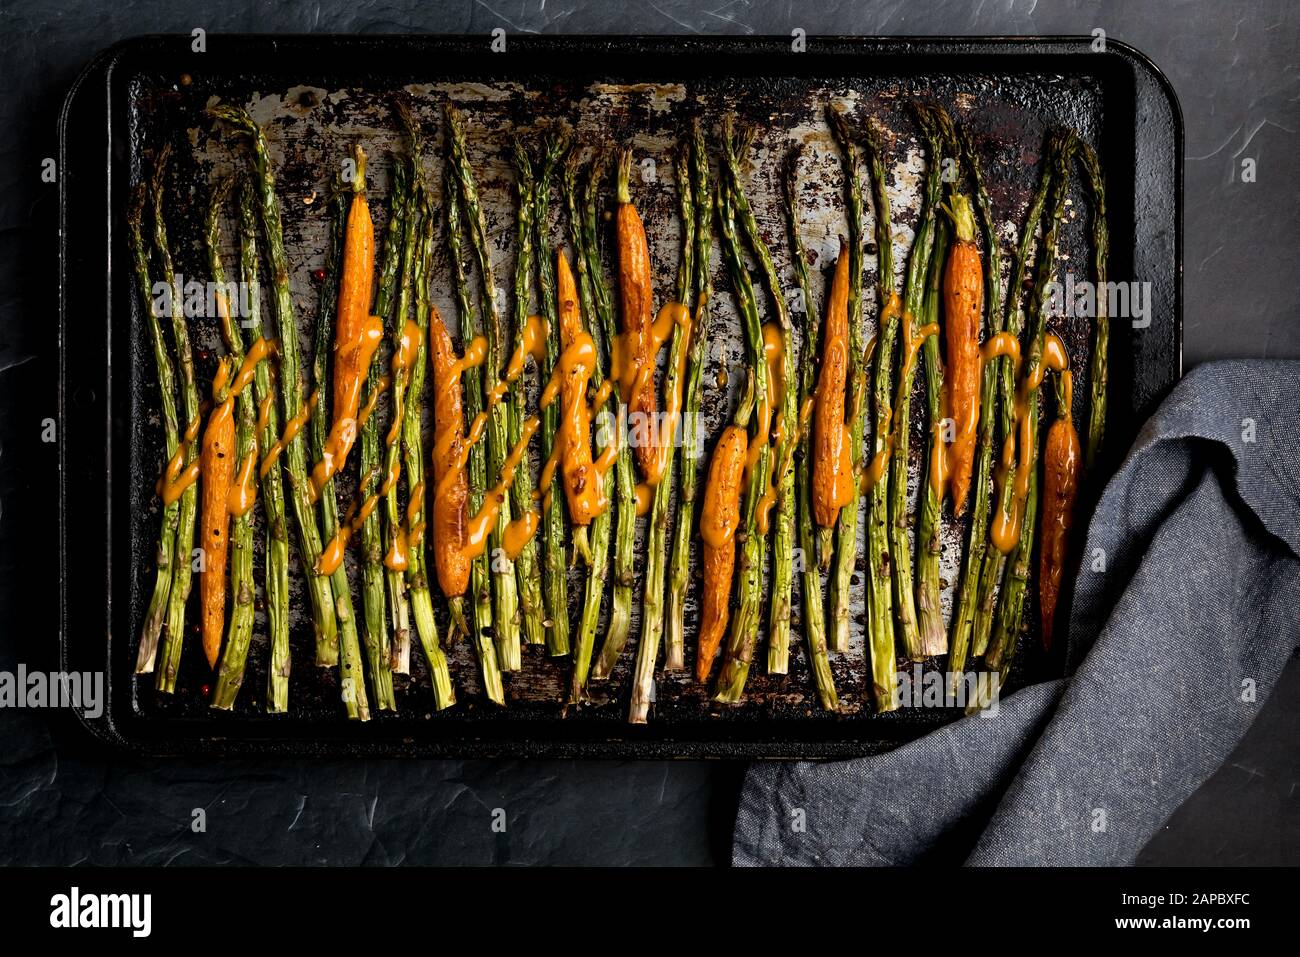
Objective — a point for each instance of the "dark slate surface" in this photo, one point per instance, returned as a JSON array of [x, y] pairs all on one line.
[[1236, 70]]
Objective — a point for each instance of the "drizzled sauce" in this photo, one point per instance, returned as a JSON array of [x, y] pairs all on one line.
[[1005, 531], [773, 392], [177, 476], [291, 430], [671, 315], [941, 456], [408, 346], [397, 558], [782, 468], [355, 356], [888, 437], [584, 484]]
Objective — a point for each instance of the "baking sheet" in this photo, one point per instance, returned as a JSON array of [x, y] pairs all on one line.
[[311, 127]]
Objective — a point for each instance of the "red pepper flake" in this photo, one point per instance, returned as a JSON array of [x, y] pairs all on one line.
[[205, 690], [318, 275]]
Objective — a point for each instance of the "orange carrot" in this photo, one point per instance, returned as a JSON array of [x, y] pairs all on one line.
[[719, 518], [963, 303], [583, 483], [1061, 457], [833, 480], [354, 290], [451, 561], [356, 333], [635, 354], [217, 468]]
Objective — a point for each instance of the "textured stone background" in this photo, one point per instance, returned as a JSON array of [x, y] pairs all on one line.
[[1236, 70]]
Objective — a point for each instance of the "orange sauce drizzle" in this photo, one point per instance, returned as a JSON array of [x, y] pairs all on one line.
[[367, 410], [481, 524], [398, 556], [414, 508], [291, 430], [1005, 531], [244, 492], [177, 476], [875, 470], [408, 345], [940, 454], [671, 315], [772, 395], [781, 469], [343, 431], [601, 396], [531, 343]]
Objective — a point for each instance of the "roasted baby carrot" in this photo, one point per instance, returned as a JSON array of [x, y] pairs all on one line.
[[1061, 457], [217, 471], [833, 479], [356, 333], [451, 561], [583, 483], [634, 357], [719, 518], [963, 303], [354, 288]]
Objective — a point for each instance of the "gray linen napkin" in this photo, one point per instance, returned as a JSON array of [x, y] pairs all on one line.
[[1172, 650]]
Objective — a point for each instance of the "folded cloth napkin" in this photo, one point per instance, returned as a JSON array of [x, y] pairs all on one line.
[[1172, 650]]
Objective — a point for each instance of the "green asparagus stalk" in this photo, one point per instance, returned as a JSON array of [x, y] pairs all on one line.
[[624, 557], [899, 521], [379, 646], [963, 621], [417, 569], [182, 573], [399, 600], [743, 635], [598, 566], [846, 534], [1015, 581], [1012, 606], [778, 648], [1101, 331], [679, 576], [506, 623], [239, 631], [880, 603], [352, 682], [526, 567], [652, 606], [277, 526], [157, 612], [555, 580], [480, 579], [291, 386], [994, 560], [932, 635], [814, 612]]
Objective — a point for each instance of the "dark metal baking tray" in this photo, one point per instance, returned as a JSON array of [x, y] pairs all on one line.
[[1007, 90]]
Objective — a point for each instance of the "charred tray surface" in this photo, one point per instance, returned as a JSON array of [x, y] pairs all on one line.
[[609, 92]]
